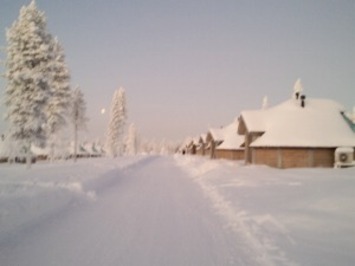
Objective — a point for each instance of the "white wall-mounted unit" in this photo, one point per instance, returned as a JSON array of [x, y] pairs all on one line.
[[344, 157]]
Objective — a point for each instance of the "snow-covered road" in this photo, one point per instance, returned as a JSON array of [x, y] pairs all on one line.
[[161, 210], [145, 214]]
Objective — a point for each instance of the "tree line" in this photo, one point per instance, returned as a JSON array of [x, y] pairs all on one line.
[[38, 94], [40, 100]]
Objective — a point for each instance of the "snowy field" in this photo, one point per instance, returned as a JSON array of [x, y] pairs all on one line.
[[161, 210]]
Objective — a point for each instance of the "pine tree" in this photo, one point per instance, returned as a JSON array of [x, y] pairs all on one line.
[[116, 128], [60, 95], [78, 115], [28, 78]]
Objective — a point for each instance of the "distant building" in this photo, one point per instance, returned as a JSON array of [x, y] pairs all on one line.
[[201, 145], [232, 146], [214, 138]]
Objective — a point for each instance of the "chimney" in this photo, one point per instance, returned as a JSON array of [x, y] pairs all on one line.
[[303, 98], [297, 95]]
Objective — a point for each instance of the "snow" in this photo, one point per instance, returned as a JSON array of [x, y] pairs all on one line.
[[116, 129], [181, 210], [298, 87], [217, 134], [344, 150], [204, 137], [4, 149], [187, 142], [254, 120], [319, 124], [231, 140], [196, 140]]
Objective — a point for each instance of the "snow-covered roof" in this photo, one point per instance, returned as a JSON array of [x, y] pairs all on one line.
[[217, 134], [204, 138], [232, 141], [319, 124], [186, 142], [254, 120], [196, 140]]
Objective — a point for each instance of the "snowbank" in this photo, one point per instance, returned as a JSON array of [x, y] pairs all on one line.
[[285, 217]]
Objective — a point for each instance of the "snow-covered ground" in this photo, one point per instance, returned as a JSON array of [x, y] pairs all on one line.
[[181, 210]]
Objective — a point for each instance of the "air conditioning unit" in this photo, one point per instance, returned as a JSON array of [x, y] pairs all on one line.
[[344, 157]]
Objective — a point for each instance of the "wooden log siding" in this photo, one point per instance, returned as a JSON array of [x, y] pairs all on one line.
[[293, 157], [229, 154], [324, 157], [193, 149], [200, 151], [207, 151], [249, 138]]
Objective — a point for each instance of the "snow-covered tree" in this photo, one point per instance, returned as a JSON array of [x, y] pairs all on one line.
[[28, 77], [132, 140], [116, 128], [59, 103], [297, 89], [78, 116]]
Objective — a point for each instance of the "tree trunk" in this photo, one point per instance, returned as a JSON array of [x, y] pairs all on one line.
[[51, 147], [28, 156], [51, 153], [75, 141]]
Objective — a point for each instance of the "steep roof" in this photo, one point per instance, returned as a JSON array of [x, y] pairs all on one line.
[[217, 134], [319, 124], [232, 141], [203, 138], [196, 140], [254, 120], [186, 142]]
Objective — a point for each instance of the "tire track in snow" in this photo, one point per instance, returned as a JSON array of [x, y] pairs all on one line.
[[258, 246]]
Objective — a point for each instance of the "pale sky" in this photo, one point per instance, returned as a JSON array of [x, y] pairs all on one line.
[[189, 65]]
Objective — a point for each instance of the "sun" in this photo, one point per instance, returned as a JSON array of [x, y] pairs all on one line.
[[103, 110]]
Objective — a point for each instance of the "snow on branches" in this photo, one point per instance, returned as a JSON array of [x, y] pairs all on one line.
[[116, 129], [38, 94]]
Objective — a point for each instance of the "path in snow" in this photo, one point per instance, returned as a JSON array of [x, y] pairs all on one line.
[[146, 214], [253, 243]]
